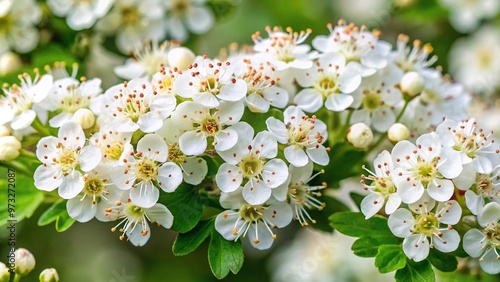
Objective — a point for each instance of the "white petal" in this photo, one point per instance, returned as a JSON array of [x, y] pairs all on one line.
[[200, 19], [169, 177], [194, 170], [296, 155], [72, 184], [466, 178], [473, 202], [46, 148], [450, 165], [318, 155], [81, 210], [474, 243], [482, 165], [401, 222], [393, 202], [265, 142], [490, 263], [230, 112], [192, 143], [279, 214], [161, 215], [259, 236], [47, 178], [228, 178], [23, 120], [225, 139], [123, 181], [450, 211], [371, 204], [257, 103], [71, 135], [206, 99], [233, 91], [490, 213], [255, 192], [410, 191], [138, 238], [338, 102], [225, 223], [278, 129], [185, 85], [150, 122], [59, 119], [448, 242], [153, 146], [277, 96], [416, 247], [275, 173], [443, 191], [308, 100], [90, 156], [144, 195]]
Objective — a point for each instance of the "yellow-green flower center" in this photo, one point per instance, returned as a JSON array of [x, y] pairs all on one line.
[[426, 224], [251, 213], [146, 169], [251, 166]]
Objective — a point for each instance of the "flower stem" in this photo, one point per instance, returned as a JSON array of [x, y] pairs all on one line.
[[27, 154], [18, 167], [38, 126], [17, 278]]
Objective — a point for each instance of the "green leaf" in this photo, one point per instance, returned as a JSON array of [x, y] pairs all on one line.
[[357, 199], [51, 53], [332, 206], [345, 162], [186, 243], [258, 121], [367, 247], [63, 222], [22, 196], [354, 224], [390, 258], [58, 213], [441, 261], [185, 205], [224, 255], [415, 272]]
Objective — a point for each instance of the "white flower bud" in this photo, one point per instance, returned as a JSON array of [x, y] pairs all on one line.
[[10, 147], [25, 261], [398, 132], [4, 273], [49, 275], [180, 57], [9, 62], [84, 117], [412, 84], [4, 131], [360, 135]]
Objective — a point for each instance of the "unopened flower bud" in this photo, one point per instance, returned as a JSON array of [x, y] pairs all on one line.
[[4, 131], [9, 62], [180, 57], [4, 273], [360, 135], [10, 148], [398, 132], [25, 261], [412, 84], [49, 275], [84, 117]]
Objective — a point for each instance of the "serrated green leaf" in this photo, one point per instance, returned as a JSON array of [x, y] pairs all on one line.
[[186, 243], [185, 205], [354, 224], [367, 247], [224, 256], [441, 261], [390, 258], [415, 272], [63, 222], [52, 213], [332, 206], [23, 197]]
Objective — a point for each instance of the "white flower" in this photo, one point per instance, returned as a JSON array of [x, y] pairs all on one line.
[[18, 30], [328, 79], [114, 145], [254, 221], [466, 15], [304, 136], [376, 99], [194, 168], [485, 243], [253, 160], [97, 194], [140, 172], [20, 106], [416, 229], [134, 21], [361, 48], [163, 81], [472, 143], [299, 194], [80, 14], [134, 220], [69, 95], [148, 59], [284, 49], [263, 92], [426, 166], [185, 16], [206, 81], [135, 105], [61, 158], [412, 59], [382, 188], [201, 123]]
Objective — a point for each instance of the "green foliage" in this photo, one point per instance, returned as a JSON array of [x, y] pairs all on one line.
[[415, 272], [26, 198], [390, 258], [258, 120], [367, 247], [186, 243], [224, 256], [332, 206], [345, 162], [57, 212], [185, 205], [354, 224], [441, 261]]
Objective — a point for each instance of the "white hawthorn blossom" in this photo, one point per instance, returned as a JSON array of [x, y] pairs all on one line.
[[134, 220], [485, 243], [328, 80], [200, 123], [135, 105], [114, 145], [382, 190], [80, 14], [19, 105], [414, 58], [18, 31], [184, 16], [63, 158], [141, 171], [255, 221], [466, 15], [418, 228], [361, 48], [208, 81], [303, 135], [424, 166], [252, 159]]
